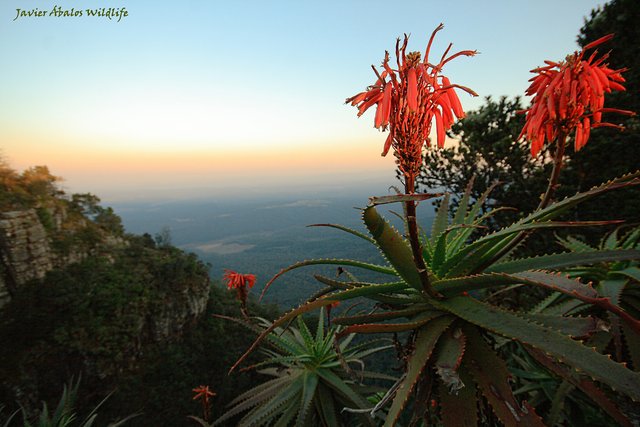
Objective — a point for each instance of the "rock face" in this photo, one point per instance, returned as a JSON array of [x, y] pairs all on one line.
[[25, 253]]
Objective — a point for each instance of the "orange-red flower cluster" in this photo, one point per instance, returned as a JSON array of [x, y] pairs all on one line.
[[569, 95], [409, 99], [236, 280], [203, 392]]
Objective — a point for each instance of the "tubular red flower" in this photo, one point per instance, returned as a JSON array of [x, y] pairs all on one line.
[[236, 280], [409, 99], [568, 98]]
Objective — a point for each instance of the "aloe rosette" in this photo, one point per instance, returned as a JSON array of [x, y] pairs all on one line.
[[312, 377]]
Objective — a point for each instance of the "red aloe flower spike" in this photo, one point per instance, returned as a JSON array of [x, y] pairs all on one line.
[[566, 94]]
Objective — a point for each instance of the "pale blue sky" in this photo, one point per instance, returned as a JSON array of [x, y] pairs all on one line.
[[179, 85]]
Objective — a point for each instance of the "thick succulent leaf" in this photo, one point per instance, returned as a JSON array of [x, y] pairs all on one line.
[[337, 385], [510, 325], [374, 328], [277, 405], [611, 289], [557, 403], [426, 340], [459, 409], [564, 260], [396, 198], [575, 245], [347, 229], [463, 204], [451, 348], [492, 376], [309, 384], [342, 262], [287, 417], [632, 339], [393, 246], [631, 239], [325, 406], [441, 221], [379, 316], [557, 208], [572, 326], [588, 387], [632, 273]]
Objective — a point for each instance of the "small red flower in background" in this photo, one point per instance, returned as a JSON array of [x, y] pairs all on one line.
[[204, 393], [239, 282], [408, 99], [569, 95], [236, 280]]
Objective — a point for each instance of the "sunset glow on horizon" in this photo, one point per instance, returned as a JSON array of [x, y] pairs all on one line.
[[237, 95]]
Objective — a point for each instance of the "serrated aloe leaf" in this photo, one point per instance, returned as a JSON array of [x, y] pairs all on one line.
[[347, 229], [632, 339], [384, 315], [588, 387], [309, 384], [401, 198], [441, 221], [285, 396], [338, 385], [374, 328], [463, 204], [630, 272], [564, 260], [492, 377], [475, 208], [459, 409], [572, 326], [305, 333], [325, 406], [558, 207], [341, 262], [611, 289], [510, 325], [287, 417], [393, 246], [451, 348], [426, 340], [557, 402], [630, 240], [574, 245]]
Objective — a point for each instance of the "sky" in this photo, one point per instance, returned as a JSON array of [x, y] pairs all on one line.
[[201, 98]]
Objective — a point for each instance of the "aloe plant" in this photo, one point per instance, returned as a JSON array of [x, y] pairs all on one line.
[[312, 378], [449, 352], [435, 284]]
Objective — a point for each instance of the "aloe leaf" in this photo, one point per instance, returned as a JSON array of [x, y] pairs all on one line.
[[632, 339], [349, 262], [492, 377], [611, 289], [463, 204], [459, 409], [305, 333], [574, 245], [451, 348], [557, 402], [441, 221], [630, 240], [347, 229], [285, 396], [325, 406], [439, 252], [630, 272], [394, 247], [510, 325], [572, 326], [563, 205], [564, 260], [253, 397], [287, 417], [588, 387], [383, 200], [385, 315], [338, 385], [374, 328], [309, 384], [426, 340]]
